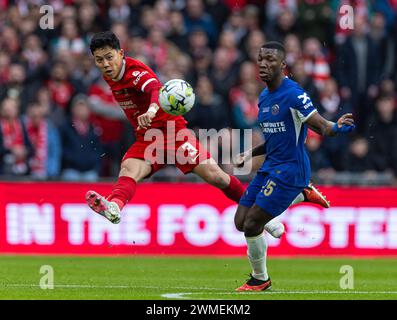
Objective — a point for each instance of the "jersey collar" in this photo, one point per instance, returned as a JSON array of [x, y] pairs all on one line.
[[121, 74]]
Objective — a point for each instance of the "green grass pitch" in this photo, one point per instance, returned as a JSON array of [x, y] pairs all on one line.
[[159, 277]]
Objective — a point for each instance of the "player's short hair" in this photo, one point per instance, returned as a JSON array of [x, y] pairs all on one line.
[[104, 39], [275, 45]]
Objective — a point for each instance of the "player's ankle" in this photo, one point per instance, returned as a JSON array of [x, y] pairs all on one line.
[[119, 203]]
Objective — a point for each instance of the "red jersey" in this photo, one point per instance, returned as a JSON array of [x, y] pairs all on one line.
[[132, 92]]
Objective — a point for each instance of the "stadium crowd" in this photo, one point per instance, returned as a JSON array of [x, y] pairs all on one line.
[[58, 118]]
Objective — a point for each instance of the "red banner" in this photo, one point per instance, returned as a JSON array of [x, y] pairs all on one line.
[[52, 218]]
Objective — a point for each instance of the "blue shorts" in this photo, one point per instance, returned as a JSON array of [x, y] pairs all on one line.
[[269, 193]]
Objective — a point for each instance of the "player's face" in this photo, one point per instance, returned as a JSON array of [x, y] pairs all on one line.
[[109, 61], [271, 64]]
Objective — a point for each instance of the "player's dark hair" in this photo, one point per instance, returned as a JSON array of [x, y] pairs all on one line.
[[104, 39], [275, 45]]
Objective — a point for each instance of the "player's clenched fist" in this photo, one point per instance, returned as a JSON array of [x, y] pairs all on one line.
[[145, 119], [344, 124]]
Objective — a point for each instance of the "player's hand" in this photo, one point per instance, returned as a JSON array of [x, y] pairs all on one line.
[[240, 159], [344, 124], [145, 120]]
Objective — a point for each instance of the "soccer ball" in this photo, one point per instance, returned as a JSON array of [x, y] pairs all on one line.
[[176, 97]]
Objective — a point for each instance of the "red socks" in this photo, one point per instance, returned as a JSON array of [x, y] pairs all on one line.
[[122, 191], [125, 187], [235, 189]]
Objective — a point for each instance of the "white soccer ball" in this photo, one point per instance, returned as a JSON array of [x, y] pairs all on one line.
[[176, 97]]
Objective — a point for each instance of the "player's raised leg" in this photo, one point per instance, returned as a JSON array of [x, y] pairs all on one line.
[[210, 172], [132, 171]]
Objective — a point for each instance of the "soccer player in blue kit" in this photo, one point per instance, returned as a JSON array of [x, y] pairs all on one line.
[[285, 112]]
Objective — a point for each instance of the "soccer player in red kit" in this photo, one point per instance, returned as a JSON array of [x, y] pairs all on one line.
[[136, 88]]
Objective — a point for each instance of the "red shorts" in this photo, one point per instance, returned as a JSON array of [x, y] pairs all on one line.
[[161, 147]]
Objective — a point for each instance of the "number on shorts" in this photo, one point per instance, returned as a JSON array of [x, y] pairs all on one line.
[[269, 188]]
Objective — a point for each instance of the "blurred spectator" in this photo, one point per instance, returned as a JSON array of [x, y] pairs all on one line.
[[59, 85], [15, 147], [120, 29], [176, 5], [249, 72], [274, 8], [319, 160], [219, 11], [88, 18], [227, 41], [358, 159], [5, 62], [69, 40], [147, 20], [108, 118], [316, 64], [358, 69], [255, 40], [81, 152], [16, 86], [252, 18], [285, 24], [162, 13], [46, 162], [34, 56], [156, 48], [382, 134], [54, 113], [311, 15], [293, 50], [387, 88], [223, 73], [202, 63], [300, 75], [210, 110], [85, 75], [177, 32], [245, 105], [384, 44], [198, 43], [332, 107], [197, 17], [9, 40], [119, 11], [135, 47], [236, 24]]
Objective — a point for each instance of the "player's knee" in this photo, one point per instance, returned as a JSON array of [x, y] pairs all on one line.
[[249, 228], [134, 169], [239, 224]]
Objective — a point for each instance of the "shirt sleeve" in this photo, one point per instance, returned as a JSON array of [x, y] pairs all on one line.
[[303, 105]]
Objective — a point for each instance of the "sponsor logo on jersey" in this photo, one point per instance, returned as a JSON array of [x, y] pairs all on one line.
[[135, 73], [139, 77], [127, 105], [275, 109], [273, 127], [304, 97]]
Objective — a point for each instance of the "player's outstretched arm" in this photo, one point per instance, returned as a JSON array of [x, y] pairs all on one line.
[[245, 156], [328, 128]]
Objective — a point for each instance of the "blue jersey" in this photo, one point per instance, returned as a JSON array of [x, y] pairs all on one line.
[[282, 114]]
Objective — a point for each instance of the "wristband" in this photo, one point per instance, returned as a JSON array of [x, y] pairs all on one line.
[[152, 109], [343, 129]]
